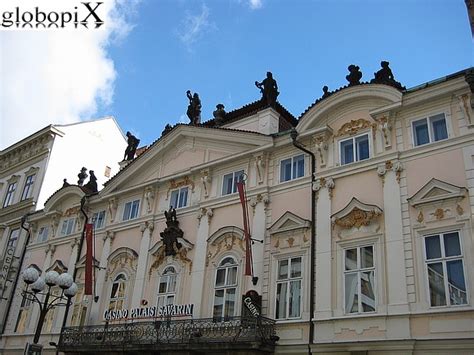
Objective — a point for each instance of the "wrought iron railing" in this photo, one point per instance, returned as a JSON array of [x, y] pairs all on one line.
[[163, 334]]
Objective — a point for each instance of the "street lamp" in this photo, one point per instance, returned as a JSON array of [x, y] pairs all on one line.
[[37, 286]]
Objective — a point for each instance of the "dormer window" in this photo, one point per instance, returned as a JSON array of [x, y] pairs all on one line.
[[354, 149]]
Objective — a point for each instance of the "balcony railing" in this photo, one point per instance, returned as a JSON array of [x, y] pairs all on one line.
[[236, 332]]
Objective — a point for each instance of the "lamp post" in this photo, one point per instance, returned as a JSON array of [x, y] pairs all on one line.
[[35, 286]]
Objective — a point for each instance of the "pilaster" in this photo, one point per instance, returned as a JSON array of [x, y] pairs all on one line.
[[146, 229]]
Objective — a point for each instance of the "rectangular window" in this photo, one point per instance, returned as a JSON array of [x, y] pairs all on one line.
[[28, 189], [431, 129], [10, 194], [98, 218], [292, 168], [13, 240], [445, 270], [42, 234], [21, 321], [130, 210], [179, 198], [229, 183], [359, 280], [354, 149], [288, 293], [67, 228]]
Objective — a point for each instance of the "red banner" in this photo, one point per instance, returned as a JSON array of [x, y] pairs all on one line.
[[88, 278], [248, 245]]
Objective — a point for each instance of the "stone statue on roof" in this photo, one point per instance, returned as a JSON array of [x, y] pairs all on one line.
[[132, 146], [91, 186], [194, 108], [385, 76], [82, 176], [269, 89], [219, 114], [354, 75]]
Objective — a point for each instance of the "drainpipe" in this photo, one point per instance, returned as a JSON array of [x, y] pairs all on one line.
[[79, 252], [15, 283], [312, 251]]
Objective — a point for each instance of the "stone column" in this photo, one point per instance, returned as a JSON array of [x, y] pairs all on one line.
[[199, 262], [146, 229], [323, 292], [94, 317], [397, 299], [259, 205]]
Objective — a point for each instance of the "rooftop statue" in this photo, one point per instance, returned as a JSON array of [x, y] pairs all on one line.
[[91, 186], [167, 129], [132, 146], [65, 183], [269, 89], [385, 76], [219, 114], [82, 176], [194, 108], [354, 75], [326, 92]]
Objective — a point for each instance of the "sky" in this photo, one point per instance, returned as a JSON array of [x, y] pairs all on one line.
[[138, 66]]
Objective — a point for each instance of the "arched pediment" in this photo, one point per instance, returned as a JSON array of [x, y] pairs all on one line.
[[356, 214], [158, 251], [62, 194], [224, 232], [123, 251], [369, 96]]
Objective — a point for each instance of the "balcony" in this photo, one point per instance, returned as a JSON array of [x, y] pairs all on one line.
[[243, 335]]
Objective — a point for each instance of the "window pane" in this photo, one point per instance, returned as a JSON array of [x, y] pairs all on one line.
[[436, 281], [362, 144], [183, 197], [113, 294], [421, 132], [351, 259], [367, 257], [281, 301], [227, 184], [347, 152], [229, 302], [351, 290], [433, 248], [295, 299], [283, 269], [134, 212], [220, 277], [296, 267], [439, 127], [456, 283], [451, 244], [172, 283], [162, 287], [299, 166], [285, 170], [126, 211], [174, 199], [367, 291], [218, 303], [238, 177], [232, 276]]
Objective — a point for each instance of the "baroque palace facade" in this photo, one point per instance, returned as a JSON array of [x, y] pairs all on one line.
[[360, 213]]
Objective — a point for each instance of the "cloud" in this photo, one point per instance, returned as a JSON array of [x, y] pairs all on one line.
[[58, 76], [193, 27], [255, 4]]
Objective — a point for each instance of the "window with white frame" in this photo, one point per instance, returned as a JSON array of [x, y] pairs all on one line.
[[430, 129], [28, 188], [118, 293], [98, 218], [179, 198], [445, 269], [292, 168], [42, 234], [67, 228], [359, 280], [229, 182], [288, 291], [167, 287], [21, 321], [10, 194], [130, 210], [354, 149], [225, 289], [79, 310]]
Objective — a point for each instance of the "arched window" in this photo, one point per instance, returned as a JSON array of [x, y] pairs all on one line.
[[117, 295], [225, 289], [167, 287]]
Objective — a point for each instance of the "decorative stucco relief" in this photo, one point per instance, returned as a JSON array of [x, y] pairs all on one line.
[[353, 127], [206, 180], [255, 200], [181, 255], [328, 183], [122, 258], [395, 166], [186, 181], [149, 198], [226, 242]]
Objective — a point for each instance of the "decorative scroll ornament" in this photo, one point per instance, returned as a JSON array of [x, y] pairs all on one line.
[[186, 181], [205, 212], [352, 127], [356, 218], [395, 166], [324, 182]]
